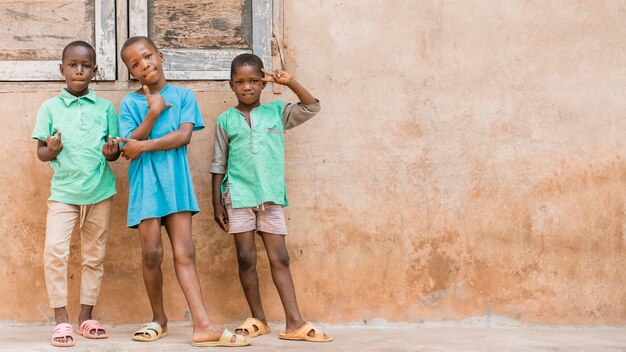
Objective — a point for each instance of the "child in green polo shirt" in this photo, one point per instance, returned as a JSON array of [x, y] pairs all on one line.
[[76, 132], [249, 192]]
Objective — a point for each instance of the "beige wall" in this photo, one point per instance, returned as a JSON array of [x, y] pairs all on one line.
[[469, 160]]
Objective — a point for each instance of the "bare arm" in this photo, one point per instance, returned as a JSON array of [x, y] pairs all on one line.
[[175, 139], [219, 213]]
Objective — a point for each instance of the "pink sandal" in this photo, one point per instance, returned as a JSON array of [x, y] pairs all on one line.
[[63, 330], [85, 329]]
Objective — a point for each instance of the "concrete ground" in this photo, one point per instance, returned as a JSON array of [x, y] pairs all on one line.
[[354, 338]]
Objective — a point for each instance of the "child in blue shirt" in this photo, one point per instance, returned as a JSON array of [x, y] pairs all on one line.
[[156, 123], [249, 188]]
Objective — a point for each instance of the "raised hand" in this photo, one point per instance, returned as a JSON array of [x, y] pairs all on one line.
[[277, 76], [111, 149], [132, 148], [54, 143], [156, 101]]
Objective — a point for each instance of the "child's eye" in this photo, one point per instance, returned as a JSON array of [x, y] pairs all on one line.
[[134, 65], [87, 66], [148, 56], [254, 81], [72, 65]]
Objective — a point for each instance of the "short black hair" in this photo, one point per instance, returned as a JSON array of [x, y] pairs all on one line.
[[132, 40], [246, 60], [82, 43]]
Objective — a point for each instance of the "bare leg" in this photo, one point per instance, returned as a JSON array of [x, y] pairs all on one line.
[[178, 226], [246, 259], [279, 265], [152, 255]]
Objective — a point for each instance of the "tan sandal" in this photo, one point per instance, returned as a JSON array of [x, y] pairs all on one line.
[[224, 341], [151, 331], [302, 334], [253, 328]]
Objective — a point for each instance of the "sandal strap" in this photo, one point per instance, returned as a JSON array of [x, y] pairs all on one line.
[[62, 330], [153, 329], [91, 324]]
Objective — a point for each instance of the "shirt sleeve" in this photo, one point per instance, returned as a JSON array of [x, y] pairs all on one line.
[[297, 114], [127, 122], [220, 151], [190, 111], [112, 122], [43, 124]]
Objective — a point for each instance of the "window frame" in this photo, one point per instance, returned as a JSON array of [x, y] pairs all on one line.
[[48, 70], [207, 64]]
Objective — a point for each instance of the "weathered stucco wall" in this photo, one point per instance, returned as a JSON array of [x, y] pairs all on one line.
[[469, 160]]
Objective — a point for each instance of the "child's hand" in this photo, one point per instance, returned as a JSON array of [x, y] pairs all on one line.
[[156, 101], [221, 216], [278, 76], [132, 148], [54, 143], [110, 149]]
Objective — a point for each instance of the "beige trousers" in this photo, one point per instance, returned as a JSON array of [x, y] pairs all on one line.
[[94, 228]]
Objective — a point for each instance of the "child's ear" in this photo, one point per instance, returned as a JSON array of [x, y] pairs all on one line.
[[61, 68], [230, 83], [95, 68], [162, 57]]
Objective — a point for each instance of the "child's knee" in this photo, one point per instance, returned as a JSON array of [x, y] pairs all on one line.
[[281, 258], [152, 258], [187, 256], [246, 260]]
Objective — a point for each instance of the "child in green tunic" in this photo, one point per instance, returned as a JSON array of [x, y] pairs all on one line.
[[249, 187]]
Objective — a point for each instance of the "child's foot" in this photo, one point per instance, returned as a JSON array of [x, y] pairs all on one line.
[[225, 339], [208, 333]]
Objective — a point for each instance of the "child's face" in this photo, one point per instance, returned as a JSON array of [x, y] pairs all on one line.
[[145, 63], [247, 84], [78, 68]]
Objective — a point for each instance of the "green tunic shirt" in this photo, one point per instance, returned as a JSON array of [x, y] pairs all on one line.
[[81, 173], [252, 157]]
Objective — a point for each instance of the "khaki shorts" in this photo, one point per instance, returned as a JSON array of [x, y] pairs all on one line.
[[267, 217]]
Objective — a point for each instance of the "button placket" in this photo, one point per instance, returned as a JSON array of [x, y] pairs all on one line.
[[80, 114], [253, 146]]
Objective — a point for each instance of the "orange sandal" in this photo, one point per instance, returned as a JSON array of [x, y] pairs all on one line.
[[254, 327], [302, 334]]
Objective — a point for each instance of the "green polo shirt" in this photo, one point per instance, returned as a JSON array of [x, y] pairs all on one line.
[[81, 173], [252, 157]]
